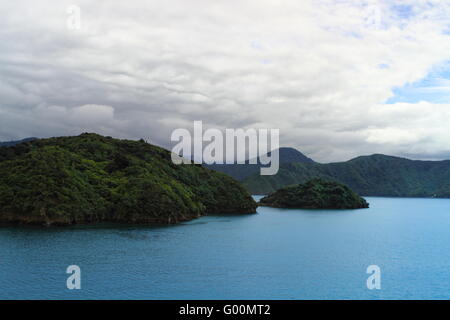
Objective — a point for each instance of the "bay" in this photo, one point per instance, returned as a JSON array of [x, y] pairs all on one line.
[[274, 254]]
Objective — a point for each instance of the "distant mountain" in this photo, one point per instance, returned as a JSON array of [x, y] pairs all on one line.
[[375, 175], [288, 155], [13, 143], [242, 171]]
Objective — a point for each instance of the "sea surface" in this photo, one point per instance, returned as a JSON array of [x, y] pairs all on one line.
[[274, 254]]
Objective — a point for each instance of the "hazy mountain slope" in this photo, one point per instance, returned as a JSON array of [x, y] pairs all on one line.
[[91, 178], [242, 171], [376, 175], [13, 143]]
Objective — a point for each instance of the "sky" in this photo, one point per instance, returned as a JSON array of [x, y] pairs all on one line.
[[339, 78]]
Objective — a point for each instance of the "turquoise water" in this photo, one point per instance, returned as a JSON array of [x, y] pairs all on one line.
[[275, 254]]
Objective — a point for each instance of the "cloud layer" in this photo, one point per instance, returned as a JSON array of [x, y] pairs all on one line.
[[320, 70]]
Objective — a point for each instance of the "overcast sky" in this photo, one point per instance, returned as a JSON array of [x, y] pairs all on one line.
[[338, 78]]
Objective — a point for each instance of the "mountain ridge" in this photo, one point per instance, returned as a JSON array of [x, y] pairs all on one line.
[[16, 142], [365, 174], [242, 171], [374, 175]]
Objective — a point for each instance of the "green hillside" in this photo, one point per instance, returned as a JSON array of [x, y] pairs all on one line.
[[376, 175], [91, 178]]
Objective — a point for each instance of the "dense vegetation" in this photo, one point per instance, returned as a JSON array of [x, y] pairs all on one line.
[[242, 171], [315, 194], [376, 175], [92, 178]]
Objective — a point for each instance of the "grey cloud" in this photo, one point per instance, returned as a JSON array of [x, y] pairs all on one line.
[[141, 69]]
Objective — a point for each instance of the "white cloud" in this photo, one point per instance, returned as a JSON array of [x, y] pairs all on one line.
[[320, 70]]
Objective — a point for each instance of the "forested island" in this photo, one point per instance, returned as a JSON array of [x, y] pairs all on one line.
[[91, 178], [315, 194]]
